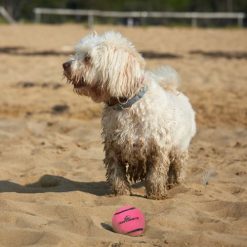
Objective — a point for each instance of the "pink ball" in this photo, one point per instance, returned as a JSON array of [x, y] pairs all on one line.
[[128, 220]]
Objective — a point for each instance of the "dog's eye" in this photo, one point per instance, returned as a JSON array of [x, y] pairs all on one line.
[[87, 58]]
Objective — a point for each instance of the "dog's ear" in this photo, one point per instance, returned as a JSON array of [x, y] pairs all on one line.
[[125, 72]]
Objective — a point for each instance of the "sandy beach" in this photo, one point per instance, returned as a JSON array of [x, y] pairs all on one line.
[[52, 177]]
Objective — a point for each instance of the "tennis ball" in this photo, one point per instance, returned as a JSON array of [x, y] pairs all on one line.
[[128, 220]]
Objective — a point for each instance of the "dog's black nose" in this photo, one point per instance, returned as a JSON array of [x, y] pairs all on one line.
[[66, 65]]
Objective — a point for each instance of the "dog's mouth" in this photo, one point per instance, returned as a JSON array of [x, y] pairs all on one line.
[[77, 83]]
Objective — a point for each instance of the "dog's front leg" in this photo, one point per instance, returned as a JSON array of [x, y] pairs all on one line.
[[116, 174]]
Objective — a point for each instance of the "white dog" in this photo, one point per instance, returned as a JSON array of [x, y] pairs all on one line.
[[146, 128]]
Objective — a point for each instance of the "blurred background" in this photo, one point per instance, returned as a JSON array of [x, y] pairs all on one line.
[[23, 10]]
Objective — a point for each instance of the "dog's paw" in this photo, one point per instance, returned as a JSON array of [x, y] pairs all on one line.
[[170, 186], [122, 192]]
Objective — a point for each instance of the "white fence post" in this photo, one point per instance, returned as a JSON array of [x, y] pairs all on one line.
[[194, 22], [37, 16], [130, 22], [240, 20], [90, 20]]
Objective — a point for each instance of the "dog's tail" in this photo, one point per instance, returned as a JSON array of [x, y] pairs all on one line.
[[167, 77]]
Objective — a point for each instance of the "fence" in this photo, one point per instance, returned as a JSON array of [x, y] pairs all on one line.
[[6, 15], [194, 16]]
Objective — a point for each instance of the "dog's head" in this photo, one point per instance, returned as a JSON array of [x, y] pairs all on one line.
[[105, 66]]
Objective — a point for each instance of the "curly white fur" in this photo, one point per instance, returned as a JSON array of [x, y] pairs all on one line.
[[148, 141]]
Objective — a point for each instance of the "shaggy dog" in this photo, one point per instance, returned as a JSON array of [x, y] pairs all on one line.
[[147, 128]]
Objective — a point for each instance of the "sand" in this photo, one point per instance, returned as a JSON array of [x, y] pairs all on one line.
[[52, 178]]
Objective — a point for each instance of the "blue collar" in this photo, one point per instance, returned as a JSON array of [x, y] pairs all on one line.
[[128, 103]]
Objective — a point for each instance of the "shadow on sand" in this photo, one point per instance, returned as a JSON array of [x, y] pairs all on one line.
[[159, 55], [50, 183], [21, 51], [221, 54]]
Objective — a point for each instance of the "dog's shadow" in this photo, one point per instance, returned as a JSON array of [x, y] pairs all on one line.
[[57, 184], [51, 183]]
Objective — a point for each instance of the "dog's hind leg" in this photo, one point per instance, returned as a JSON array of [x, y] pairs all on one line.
[[176, 172], [156, 178]]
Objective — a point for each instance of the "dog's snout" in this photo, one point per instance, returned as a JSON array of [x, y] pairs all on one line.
[[66, 65]]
